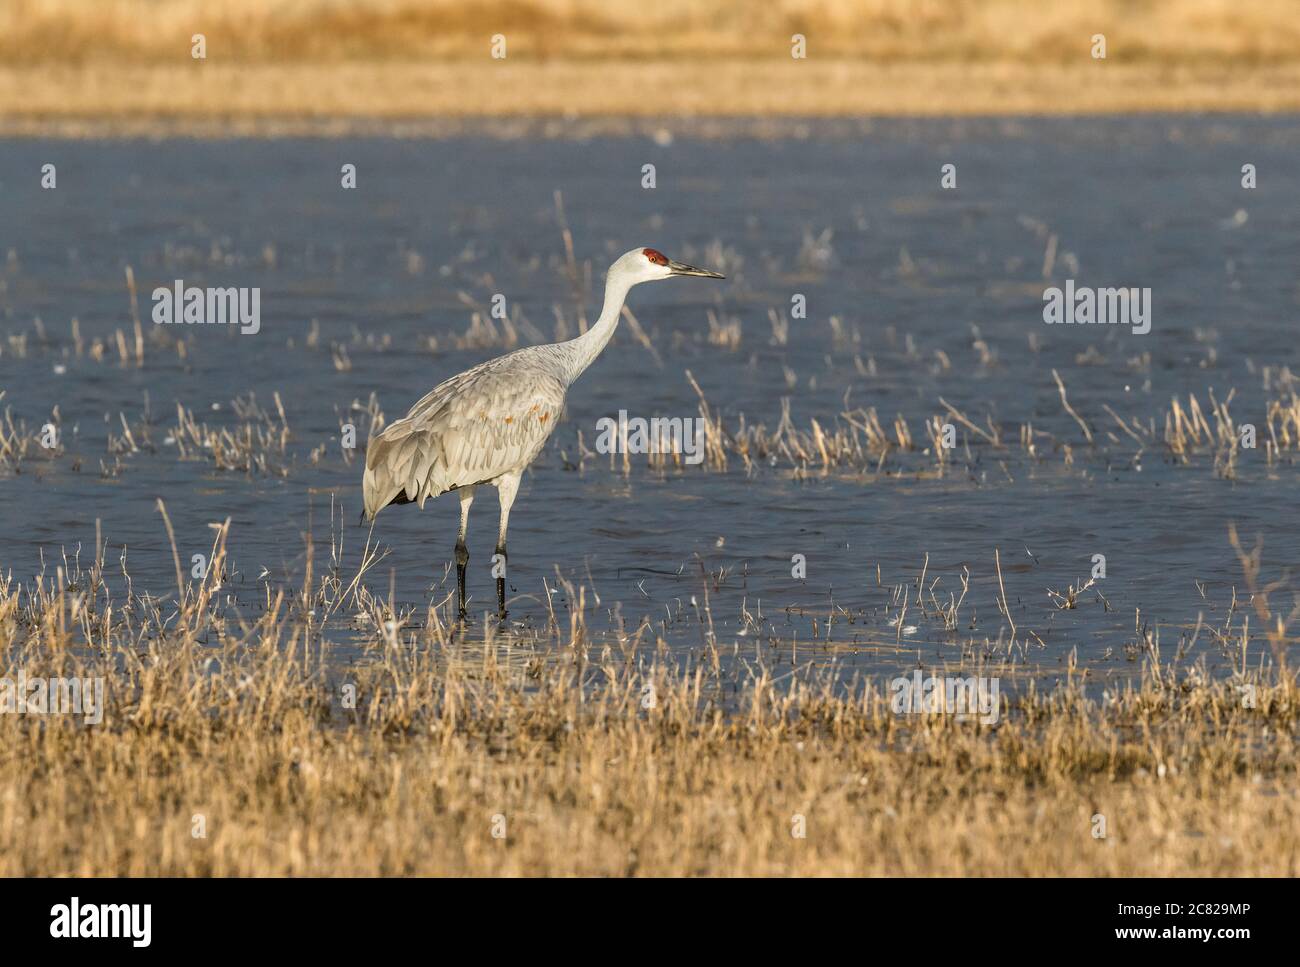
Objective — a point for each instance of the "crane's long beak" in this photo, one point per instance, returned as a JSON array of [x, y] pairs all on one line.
[[681, 268]]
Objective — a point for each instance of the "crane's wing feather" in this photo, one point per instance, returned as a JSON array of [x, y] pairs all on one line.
[[470, 429]]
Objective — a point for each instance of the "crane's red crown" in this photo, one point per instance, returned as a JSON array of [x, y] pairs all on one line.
[[655, 256]]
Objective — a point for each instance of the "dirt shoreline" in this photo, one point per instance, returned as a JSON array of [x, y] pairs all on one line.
[[211, 99]]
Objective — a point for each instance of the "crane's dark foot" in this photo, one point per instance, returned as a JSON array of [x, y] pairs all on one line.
[[502, 613], [462, 563]]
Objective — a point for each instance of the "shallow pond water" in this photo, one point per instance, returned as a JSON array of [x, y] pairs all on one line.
[[914, 294]]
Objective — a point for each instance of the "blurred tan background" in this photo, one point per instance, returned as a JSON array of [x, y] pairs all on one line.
[[389, 59]]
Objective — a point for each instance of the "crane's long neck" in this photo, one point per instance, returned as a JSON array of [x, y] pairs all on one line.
[[585, 348]]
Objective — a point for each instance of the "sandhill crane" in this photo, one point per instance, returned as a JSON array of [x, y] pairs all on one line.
[[485, 425]]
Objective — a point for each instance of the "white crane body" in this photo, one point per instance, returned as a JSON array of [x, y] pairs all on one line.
[[487, 424]]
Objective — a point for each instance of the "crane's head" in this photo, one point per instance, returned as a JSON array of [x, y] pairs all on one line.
[[648, 264]]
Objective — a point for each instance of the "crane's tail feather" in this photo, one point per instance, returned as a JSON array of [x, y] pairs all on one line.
[[399, 465]]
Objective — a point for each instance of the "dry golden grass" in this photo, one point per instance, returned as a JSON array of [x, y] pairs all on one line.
[[547, 739], [277, 31], [402, 59]]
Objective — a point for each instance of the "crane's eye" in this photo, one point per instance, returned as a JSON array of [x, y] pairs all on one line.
[[658, 258]]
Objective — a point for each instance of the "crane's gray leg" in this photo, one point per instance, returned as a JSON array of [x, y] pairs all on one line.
[[462, 552], [507, 487]]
